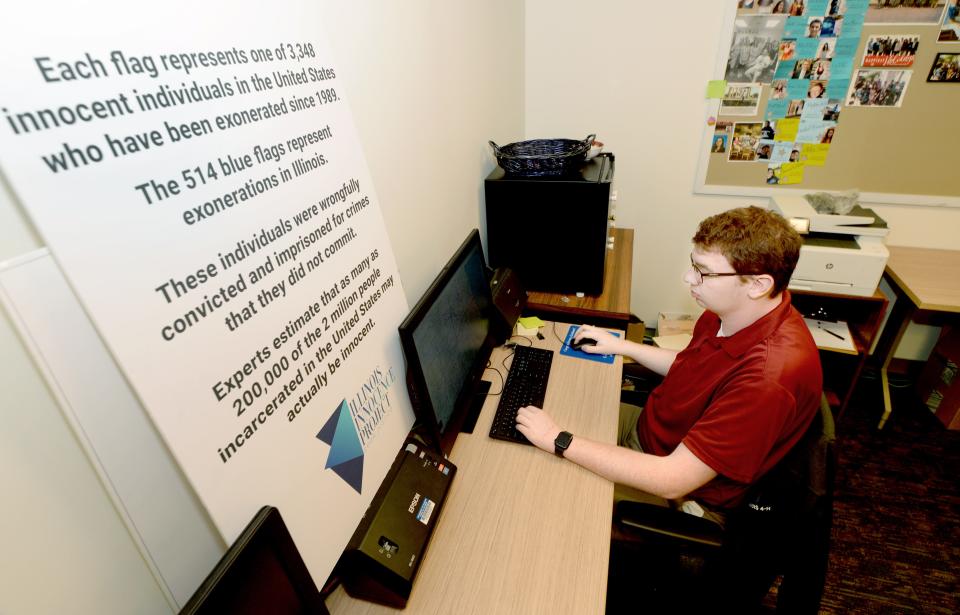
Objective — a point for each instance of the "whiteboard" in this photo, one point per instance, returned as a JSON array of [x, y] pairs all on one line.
[[163, 516]]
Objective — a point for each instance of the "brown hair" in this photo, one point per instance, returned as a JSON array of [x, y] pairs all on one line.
[[755, 241]]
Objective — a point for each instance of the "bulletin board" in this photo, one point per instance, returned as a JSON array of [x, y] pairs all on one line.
[[902, 152]]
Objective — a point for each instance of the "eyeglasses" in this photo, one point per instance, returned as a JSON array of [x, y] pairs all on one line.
[[699, 275]]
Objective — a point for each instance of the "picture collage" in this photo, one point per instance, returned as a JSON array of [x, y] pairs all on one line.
[[806, 53]]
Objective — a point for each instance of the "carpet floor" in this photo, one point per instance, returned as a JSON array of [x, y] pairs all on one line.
[[896, 534]]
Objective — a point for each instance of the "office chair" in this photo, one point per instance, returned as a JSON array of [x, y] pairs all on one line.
[[662, 558]]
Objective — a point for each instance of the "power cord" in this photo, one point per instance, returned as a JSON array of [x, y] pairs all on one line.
[[510, 345], [557, 335]]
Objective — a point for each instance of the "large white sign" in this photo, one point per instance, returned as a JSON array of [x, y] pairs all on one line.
[[195, 170]]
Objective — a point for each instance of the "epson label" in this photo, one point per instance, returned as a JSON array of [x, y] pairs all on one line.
[[413, 504]]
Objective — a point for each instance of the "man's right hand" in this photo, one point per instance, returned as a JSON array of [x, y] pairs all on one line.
[[607, 343]]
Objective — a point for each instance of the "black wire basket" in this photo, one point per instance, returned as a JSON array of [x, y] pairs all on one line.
[[542, 157]]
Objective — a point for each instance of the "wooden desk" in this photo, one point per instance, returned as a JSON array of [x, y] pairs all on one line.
[[612, 308], [522, 531], [925, 280]]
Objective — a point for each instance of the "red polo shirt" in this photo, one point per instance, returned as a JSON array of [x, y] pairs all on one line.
[[739, 403]]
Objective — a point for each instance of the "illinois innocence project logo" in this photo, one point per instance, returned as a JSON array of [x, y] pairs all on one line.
[[354, 423]]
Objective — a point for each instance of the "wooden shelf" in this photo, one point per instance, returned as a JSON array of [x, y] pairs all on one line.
[[610, 309], [863, 315]]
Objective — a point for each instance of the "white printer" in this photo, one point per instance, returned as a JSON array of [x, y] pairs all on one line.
[[841, 254]]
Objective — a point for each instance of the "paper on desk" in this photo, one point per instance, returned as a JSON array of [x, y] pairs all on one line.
[[530, 322], [678, 341], [831, 335], [525, 332]]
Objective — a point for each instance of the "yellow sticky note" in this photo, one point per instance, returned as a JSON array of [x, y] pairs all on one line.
[[815, 154], [525, 332], [787, 129], [530, 322], [716, 88], [791, 173]]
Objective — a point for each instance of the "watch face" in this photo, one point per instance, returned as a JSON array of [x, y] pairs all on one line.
[[563, 441]]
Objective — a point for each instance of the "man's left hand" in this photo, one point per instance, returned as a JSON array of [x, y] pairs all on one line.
[[538, 427]]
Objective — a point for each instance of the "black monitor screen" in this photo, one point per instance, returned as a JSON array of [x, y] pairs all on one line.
[[447, 339], [262, 572]]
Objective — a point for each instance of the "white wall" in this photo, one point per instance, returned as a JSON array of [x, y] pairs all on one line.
[[65, 548], [429, 83], [635, 73]]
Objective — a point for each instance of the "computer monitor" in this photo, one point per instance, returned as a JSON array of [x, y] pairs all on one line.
[[447, 339], [262, 572]]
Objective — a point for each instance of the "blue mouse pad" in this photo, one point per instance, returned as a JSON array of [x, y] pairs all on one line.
[[570, 352]]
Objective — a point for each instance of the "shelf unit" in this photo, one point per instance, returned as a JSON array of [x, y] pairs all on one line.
[[864, 316]]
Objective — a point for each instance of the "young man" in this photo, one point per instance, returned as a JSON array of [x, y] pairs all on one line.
[[735, 401]]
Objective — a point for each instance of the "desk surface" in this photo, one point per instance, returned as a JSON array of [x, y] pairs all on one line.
[[931, 278], [522, 531], [613, 304]]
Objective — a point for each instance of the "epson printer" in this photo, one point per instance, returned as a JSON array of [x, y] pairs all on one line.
[[841, 254]]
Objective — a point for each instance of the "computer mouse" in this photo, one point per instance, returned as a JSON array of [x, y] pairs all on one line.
[[583, 341]]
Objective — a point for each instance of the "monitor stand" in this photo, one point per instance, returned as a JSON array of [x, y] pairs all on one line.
[[476, 405]]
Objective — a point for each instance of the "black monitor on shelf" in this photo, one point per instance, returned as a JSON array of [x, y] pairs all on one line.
[[262, 572], [447, 339]]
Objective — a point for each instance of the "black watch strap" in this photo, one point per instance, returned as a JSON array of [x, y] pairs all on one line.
[[562, 442]]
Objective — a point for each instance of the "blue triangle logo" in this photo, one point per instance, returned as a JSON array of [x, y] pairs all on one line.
[[346, 452]]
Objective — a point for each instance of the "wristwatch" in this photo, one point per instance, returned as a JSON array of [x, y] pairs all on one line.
[[562, 443]]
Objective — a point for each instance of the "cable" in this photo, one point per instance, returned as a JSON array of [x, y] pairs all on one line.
[[502, 383], [557, 335], [508, 345]]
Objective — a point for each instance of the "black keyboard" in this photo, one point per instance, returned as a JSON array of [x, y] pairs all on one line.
[[526, 386]]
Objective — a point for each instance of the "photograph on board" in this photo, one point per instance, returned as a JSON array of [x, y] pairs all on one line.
[[904, 11], [778, 7], [778, 89], [878, 88], [827, 136], [801, 70], [773, 7], [719, 144], [890, 50], [797, 8], [740, 99], [764, 150], [795, 108], [820, 69], [836, 7], [768, 130], [743, 146], [817, 89], [945, 69], [753, 52], [773, 174], [950, 25], [788, 47], [723, 126], [825, 49], [831, 112], [832, 26]]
